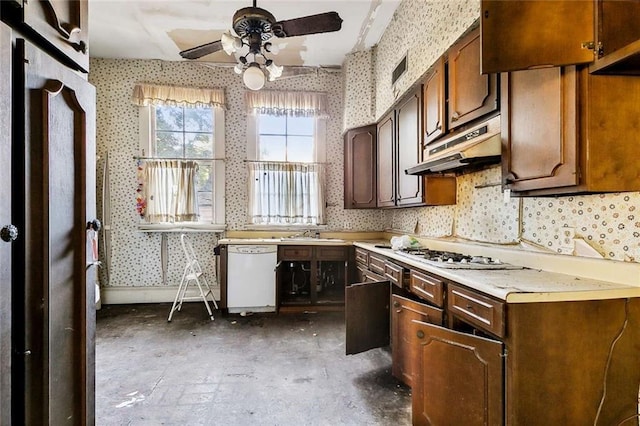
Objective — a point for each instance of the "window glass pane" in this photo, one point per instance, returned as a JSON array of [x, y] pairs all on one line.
[[169, 118], [204, 191], [273, 148], [198, 120], [168, 144], [272, 125], [198, 145], [300, 149], [300, 126]]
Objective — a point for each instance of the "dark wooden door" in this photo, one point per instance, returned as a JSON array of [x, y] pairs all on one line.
[[386, 151], [518, 35], [5, 222], [409, 148], [459, 379], [471, 94], [434, 103], [360, 149], [56, 160], [403, 342], [539, 130], [367, 316]]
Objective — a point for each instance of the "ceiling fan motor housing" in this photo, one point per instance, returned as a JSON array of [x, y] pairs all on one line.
[[253, 20]]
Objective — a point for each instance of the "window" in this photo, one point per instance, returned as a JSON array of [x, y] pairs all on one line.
[[286, 155], [181, 172]]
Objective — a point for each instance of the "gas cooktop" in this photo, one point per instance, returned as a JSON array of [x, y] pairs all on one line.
[[451, 260]]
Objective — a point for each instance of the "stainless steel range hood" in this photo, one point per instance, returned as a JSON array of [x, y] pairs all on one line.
[[479, 144]]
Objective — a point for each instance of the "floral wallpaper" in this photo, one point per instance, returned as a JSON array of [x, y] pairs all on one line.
[[358, 106], [135, 256]]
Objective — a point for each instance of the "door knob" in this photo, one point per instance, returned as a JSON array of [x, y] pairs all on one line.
[[94, 225], [9, 233]]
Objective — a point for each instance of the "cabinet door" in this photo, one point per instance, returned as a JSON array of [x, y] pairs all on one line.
[[618, 37], [409, 151], [539, 128], [385, 176], [518, 35], [55, 158], [404, 348], [471, 94], [360, 149], [367, 316], [434, 102], [63, 23], [5, 220], [459, 378]]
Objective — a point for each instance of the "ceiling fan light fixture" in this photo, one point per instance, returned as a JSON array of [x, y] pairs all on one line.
[[238, 68], [275, 71], [230, 43], [253, 77]]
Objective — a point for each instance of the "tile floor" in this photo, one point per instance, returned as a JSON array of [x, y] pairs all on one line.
[[264, 369]]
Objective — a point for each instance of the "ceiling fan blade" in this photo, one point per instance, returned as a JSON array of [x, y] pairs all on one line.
[[203, 50], [313, 24]]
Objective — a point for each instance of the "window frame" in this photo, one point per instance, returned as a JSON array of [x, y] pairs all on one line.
[[253, 154], [147, 129]]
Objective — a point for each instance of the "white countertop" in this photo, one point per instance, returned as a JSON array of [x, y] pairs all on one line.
[[282, 241], [521, 285]]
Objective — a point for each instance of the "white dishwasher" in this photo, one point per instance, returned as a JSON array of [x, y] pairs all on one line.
[[251, 277]]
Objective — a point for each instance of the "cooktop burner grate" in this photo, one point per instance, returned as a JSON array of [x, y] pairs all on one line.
[[452, 260]]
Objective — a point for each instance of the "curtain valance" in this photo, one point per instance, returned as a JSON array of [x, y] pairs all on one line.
[[296, 104], [193, 97]]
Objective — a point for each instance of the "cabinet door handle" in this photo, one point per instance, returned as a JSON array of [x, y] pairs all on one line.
[[396, 304], [455, 116], [420, 334], [9, 233], [65, 29], [469, 307]]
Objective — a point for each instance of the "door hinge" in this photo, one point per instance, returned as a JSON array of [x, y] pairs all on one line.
[[588, 45]]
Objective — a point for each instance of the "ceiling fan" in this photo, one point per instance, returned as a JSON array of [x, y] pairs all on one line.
[[254, 27]]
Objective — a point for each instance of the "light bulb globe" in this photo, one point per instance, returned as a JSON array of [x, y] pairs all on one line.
[[253, 77]]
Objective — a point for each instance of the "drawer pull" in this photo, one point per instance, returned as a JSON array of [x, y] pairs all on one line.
[[420, 334], [469, 307], [396, 304]]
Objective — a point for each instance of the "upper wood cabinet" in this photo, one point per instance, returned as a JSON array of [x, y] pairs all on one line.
[[471, 94], [360, 148], [434, 102], [531, 34], [409, 148], [62, 23], [567, 131], [399, 148]]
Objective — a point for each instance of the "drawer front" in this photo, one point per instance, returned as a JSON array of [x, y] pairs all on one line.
[[376, 264], [427, 287], [295, 252], [362, 257], [424, 312], [370, 277], [476, 309], [331, 253], [395, 273]]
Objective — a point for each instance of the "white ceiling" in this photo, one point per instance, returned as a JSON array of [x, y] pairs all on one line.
[[160, 29]]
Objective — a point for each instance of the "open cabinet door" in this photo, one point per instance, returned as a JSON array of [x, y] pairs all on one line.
[[367, 316]]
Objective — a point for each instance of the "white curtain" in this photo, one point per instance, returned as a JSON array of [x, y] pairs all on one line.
[[286, 193], [295, 104], [169, 190], [190, 97]]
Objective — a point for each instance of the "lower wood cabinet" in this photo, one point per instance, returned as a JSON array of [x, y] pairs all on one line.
[[311, 275], [482, 361]]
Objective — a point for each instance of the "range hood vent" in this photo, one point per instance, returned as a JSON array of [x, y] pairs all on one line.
[[479, 144]]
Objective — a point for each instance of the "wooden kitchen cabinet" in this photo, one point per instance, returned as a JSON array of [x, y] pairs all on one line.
[[404, 347], [589, 132], [459, 379], [524, 35], [62, 24], [399, 148], [471, 94], [360, 187], [312, 275], [434, 102]]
